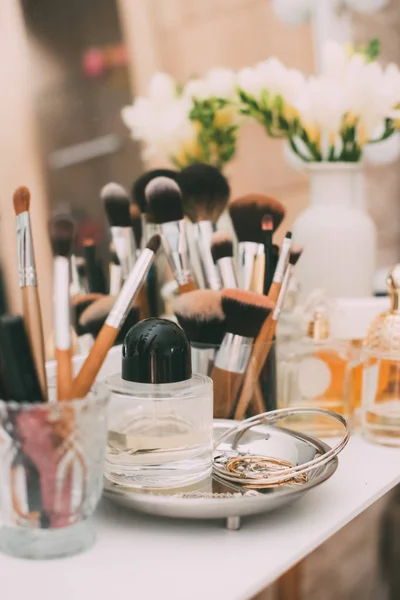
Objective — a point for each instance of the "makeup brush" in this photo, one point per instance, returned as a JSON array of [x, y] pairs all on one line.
[[28, 282], [61, 231], [280, 267], [267, 226], [263, 342], [205, 193], [79, 304], [93, 318], [115, 283], [117, 206], [245, 312], [165, 201], [139, 189], [77, 286], [109, 332], [222, 253], [19, 375], [137, 225], [142, 300], [247, 213], [93, 269], [200, 315]]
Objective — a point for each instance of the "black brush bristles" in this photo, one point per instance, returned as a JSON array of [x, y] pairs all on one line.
[[116, 204], [61, 232], [139, 187], [205, 192], [295, 253], [247, 214], [164, 198], [245, 312], [200, 315], [154, 243], [136, 222], [221, 245]]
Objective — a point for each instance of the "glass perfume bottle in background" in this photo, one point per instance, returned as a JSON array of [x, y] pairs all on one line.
[[380, 412], [316, 371]]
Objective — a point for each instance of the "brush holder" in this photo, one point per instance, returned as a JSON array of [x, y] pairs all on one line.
[[51, 474]]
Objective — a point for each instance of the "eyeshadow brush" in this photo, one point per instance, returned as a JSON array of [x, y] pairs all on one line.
[[222, 253], [109, 332], [28, 282]]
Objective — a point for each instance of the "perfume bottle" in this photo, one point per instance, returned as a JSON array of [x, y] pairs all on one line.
[[316, 371], [380, 411], [161, 415]]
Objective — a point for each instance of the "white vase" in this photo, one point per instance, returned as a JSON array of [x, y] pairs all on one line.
[[337, 234]]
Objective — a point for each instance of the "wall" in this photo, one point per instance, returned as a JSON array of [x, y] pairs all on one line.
[[186, 37]]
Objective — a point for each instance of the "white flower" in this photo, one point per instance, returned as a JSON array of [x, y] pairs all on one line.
[[383, 153], [160, 121], [322, 104], [335, 60], [250, 81], [218, 83]]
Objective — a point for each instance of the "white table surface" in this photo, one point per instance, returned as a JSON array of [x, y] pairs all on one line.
[[142, 558]]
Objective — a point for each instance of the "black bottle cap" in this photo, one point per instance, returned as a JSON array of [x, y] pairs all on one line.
[[156, 351]]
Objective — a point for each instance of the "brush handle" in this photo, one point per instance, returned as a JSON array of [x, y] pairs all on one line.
[[259, 355], [82, 384], [227, 386], [257, 279], [142, 303], [64, 374], [274, 292], [34, 328], [190, 286]]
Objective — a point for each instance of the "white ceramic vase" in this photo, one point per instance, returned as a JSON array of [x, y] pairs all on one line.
[[337, 234]]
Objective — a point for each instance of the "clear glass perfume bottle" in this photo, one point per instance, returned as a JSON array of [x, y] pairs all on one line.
[[316, 372], [380, 411], [161, 415]]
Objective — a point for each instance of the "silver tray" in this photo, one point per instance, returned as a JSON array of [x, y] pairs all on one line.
[[215, 498]]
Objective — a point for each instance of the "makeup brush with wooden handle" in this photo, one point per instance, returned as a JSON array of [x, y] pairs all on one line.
[[205, 193], [245, 312], [28, 283], [164, 198], [109, 332], [263, 342], [61, 231], [247, 213]]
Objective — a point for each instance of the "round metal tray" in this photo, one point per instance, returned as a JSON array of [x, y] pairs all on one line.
[[215, 498]]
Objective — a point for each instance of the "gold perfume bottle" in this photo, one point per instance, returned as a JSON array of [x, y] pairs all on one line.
[[317, 372], [381, 371]]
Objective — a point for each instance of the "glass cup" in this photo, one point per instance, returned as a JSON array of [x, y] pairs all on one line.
[[380, 408], [51, 474]]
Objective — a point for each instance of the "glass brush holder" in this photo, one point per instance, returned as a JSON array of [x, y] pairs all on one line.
[[51, 474], [160, 433]]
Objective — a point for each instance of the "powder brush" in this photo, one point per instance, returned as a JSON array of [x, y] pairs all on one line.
[[205, 193], [29, 284], [245, 312], [165, 201], [139, 189], [95, 315], [222, 254], [116, 318], [117, 206], [247, 213], [267, 332], [200, 315], [61, 231]]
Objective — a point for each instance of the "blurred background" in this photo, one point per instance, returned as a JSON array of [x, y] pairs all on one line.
[[68, 67]]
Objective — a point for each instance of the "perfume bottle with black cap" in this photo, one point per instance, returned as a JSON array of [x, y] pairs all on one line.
[[161, 415]]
